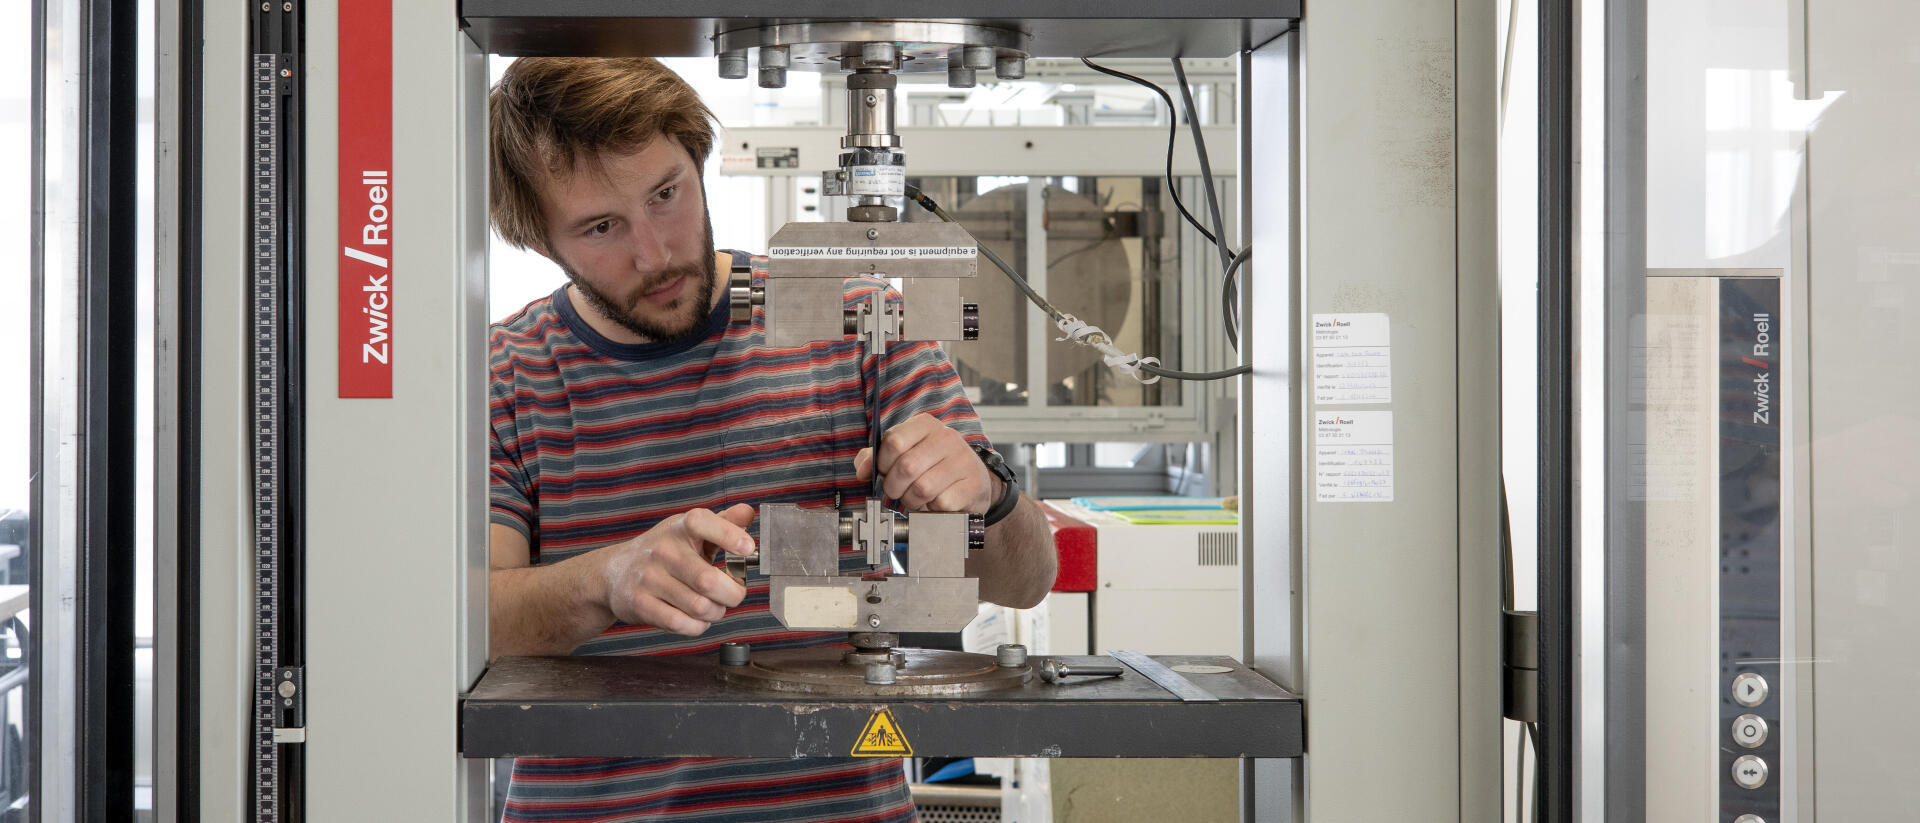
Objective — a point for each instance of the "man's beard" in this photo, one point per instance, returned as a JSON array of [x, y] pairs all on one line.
[[691, 323]]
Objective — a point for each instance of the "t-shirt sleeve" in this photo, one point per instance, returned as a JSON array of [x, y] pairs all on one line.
[[510, 488], [920, 379]]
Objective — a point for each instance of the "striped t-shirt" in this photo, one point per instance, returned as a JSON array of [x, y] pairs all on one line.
[[595, 441]]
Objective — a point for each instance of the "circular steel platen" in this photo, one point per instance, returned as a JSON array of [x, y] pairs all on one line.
[[835, 45], [870, 641], [919, 672], [1200, 668], [872, 214], [857, 658]]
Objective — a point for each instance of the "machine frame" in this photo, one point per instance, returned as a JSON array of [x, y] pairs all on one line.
[[1367, 116]]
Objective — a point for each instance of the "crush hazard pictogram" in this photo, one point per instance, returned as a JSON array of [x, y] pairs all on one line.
[[882, 738]]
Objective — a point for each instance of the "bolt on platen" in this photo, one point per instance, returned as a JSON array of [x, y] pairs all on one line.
[[1011, 655]]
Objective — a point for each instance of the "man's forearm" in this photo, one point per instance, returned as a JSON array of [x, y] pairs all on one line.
[[1018, 565], [540, 610]]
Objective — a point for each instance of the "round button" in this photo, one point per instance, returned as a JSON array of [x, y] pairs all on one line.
[[1750, 772], [1749, 689], [1749, 818], [1750, 730]]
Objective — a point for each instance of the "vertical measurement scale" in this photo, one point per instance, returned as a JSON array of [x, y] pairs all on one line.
[[277, 718], [266, 446]]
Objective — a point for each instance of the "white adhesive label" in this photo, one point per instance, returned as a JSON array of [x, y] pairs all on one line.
[[879, 181], [1353, 456], [1352, 359], [873, 252], [820, 607]]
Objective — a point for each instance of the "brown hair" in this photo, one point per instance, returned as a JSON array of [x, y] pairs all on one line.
[[547, 115]]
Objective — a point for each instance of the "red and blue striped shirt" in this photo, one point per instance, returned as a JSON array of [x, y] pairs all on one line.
[[594, 442]]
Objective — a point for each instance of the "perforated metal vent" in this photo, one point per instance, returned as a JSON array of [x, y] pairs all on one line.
[[1219, 549], [945, 813]]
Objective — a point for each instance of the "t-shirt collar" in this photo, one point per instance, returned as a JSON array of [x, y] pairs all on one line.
[[717, 322]]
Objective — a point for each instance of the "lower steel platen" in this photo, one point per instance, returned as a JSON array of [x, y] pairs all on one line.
[[842, 671]]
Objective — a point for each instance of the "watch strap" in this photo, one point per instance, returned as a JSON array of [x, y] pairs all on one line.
[[1009, 488]]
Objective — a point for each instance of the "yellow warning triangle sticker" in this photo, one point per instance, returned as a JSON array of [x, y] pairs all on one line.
[[882, 738]]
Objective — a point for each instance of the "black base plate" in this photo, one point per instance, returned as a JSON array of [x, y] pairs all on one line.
[[678, 707]]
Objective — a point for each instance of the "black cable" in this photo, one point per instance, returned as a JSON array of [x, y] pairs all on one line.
[[1173, 132], [1231, 306], [1506, 550], [1533, 739], [1174, 374], [1206, 168], [1228, 262], [1539, 777], [1227, 259], [916, 195]]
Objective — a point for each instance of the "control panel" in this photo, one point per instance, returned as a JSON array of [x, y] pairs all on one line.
[[1750, 549]]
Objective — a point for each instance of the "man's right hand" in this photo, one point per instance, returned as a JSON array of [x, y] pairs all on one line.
[[666, 577]]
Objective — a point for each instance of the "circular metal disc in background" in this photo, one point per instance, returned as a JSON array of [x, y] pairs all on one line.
[[1200, 668], [922, 672], [820, 46], [1088, 271]]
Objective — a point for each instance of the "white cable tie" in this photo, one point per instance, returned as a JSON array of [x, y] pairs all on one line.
[[1128, 364], [1074, 328]]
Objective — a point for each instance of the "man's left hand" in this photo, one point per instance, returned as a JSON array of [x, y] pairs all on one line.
[[929, 467]]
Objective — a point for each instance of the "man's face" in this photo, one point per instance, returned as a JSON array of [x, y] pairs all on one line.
[[634, 237]]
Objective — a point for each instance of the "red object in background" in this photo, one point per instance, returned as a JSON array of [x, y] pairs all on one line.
[[1077, 544]]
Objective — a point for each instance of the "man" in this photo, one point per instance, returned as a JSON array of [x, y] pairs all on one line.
[[634, 431]]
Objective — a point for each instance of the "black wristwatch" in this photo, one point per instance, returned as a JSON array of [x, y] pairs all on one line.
[[1009, 489]]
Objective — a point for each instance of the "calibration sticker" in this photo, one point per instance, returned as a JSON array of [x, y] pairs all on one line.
[[1352, 359], [882, 738], [1353, 456]]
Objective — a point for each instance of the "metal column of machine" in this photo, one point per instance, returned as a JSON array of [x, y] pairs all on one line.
[[1372, 201], [396, 486]]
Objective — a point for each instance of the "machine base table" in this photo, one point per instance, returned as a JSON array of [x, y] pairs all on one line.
[[679, 707]]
